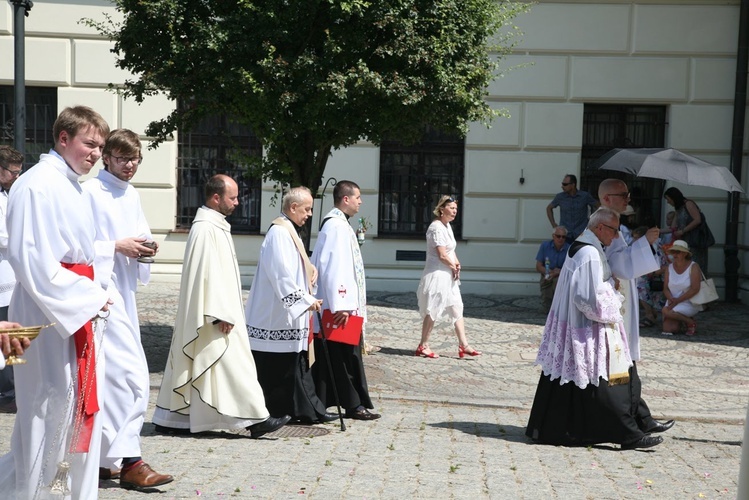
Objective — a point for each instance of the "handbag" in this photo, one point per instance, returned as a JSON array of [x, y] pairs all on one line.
[[707, 292]]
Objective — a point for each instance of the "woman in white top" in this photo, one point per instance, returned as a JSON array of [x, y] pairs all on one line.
[[682, 282], [439, 288]]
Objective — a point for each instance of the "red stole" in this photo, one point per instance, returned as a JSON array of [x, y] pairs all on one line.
[[83, 417]]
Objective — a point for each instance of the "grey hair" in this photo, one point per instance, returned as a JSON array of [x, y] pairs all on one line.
[[602, 216], [295, 195], [560, 228]]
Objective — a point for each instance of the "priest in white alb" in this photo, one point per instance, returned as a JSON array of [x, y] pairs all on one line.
[[119, 218], [584, 393], [628, 263], [210, 380], [278, 313], [343, 290], [60, 274]]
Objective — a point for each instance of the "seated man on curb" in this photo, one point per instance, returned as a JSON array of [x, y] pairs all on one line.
[[555, 251]]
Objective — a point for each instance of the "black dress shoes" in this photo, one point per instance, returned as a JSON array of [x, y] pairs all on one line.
[[269, 425], [660, 426], [644, 442], [8, 404], [172, 431], [327, 417], [361, 413]]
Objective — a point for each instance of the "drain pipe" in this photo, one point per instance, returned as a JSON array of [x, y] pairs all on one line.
[[731, 250]]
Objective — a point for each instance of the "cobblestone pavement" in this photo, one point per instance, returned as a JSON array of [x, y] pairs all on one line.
[[454, 428]]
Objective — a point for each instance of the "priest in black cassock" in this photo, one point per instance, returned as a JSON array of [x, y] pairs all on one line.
[[585, 395], [278, 315]]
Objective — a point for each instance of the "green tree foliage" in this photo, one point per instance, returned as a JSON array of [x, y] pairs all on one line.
[[311, 76]]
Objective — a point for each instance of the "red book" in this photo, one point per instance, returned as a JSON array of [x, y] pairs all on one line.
[[349, 334]]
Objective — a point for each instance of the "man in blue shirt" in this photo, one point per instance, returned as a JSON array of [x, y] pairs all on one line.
[[573, 208], [556, 251]]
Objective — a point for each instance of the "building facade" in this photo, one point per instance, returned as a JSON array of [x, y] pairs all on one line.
[[587, 76]]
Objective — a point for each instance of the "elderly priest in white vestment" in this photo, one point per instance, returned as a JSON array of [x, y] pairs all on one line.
[[584, 394], [210, 380], [278, 315], [61, 272]]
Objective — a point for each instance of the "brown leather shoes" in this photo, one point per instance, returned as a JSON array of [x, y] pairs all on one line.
[[141, 476]]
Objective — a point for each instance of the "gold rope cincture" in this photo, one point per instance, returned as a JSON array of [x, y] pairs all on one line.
[[59, 485]]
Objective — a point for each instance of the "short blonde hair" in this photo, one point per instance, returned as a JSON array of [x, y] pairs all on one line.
[[444, 200]]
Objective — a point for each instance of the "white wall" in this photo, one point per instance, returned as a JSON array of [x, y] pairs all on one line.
[[677, 54]]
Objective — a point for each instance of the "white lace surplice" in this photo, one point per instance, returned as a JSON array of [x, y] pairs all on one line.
[[574, 347]]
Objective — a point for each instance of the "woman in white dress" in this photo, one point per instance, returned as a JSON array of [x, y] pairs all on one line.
[[439, 288], [682, 282]]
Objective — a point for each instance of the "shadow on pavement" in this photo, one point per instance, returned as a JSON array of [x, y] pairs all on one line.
[[483, 429]]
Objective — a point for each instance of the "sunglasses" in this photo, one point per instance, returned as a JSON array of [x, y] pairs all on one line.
[[558, 235], [566, 183]]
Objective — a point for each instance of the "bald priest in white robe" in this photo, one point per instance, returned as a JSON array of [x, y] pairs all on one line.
[[119, 218], [58, 267], [628, 263], [278, 315], [210, 380]]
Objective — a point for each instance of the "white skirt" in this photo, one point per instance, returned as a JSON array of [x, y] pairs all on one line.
[[439, 296]]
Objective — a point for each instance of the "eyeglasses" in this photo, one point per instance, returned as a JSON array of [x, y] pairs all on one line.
[[14, 173], [124, 161], [559, 236], [566, 183], [623, 195], [615, 229]]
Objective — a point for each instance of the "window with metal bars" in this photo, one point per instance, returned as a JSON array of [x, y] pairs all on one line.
[[41, 112], [609, 126], [215, 146], [412, 179]]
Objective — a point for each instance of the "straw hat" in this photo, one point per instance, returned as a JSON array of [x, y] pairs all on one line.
[[679, 246]]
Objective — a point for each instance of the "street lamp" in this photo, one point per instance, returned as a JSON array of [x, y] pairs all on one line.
[[21, 11]]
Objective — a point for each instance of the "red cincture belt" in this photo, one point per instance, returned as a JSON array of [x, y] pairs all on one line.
[[83, 420]]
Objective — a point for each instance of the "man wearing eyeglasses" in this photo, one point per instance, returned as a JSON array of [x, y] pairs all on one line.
[[119, 219], [11, 163], [585, 395], [628, 263], [574, 208], [552, 252]]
